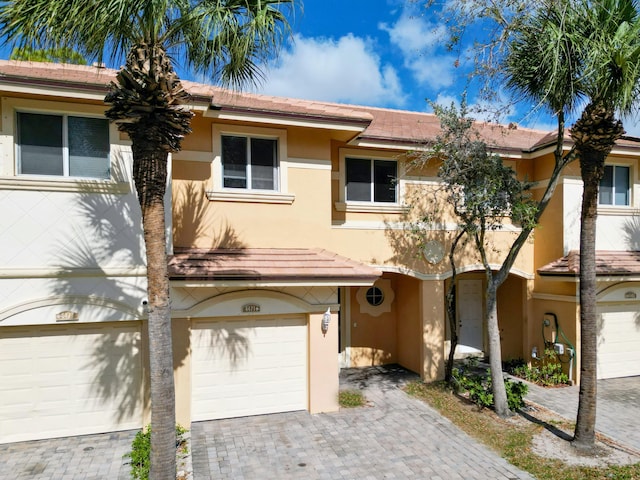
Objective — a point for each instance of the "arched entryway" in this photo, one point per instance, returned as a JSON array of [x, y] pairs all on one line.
[[382, 324]]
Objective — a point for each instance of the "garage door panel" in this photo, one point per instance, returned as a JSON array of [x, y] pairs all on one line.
[[60, 381], [618, 341], [248, 366]]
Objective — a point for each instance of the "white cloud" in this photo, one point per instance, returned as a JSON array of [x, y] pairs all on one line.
[[344, 70], [631, 125], [419, 42]]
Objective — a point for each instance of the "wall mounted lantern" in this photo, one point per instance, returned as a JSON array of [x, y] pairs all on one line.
[[326, 319]]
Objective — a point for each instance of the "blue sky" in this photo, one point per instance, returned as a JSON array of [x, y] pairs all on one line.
[[378, 52], [385, 53]]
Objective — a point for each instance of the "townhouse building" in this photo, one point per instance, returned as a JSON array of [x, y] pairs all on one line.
[[289, 256]]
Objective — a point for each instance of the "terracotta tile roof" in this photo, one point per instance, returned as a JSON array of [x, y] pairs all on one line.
[[56, 74], [268, 264], [607, 263], [379, 124], [415, 127], [251, 102]]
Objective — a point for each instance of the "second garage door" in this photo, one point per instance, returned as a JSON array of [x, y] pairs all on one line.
[[64, 380], [619, 341], [248, 366]]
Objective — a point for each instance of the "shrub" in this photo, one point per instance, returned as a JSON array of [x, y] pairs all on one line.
[[479, 388], [140, 454], [546, 372]]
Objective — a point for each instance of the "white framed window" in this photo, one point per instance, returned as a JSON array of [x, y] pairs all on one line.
[[62, 145], [615, 186], [371, 180], [249, 163]]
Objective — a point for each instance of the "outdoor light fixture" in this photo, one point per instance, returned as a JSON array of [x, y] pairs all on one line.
[[326, 319]]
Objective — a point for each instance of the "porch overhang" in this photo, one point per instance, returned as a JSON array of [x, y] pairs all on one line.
[[264, 267], [610, 266]]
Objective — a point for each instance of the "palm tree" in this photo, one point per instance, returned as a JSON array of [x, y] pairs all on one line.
[[225, 40], [566, 53], [612, 84]]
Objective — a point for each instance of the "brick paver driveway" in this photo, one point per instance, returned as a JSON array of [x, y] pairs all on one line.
[[617, 410], [85, 457], [395, 437]]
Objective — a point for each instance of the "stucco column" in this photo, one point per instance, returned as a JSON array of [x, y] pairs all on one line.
[[181, 331], [324, 371], [528, 317], [432, 311]]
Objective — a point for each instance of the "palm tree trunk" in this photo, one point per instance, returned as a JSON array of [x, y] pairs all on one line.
[[146, 103], [595, 134], [150, 175], [592, 167]]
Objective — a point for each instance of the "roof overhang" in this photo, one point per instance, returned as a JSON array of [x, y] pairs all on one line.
[[328, 122], [611, 266], [266, 267]]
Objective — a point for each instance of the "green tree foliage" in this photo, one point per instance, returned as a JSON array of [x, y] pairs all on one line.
[[225, 41], [53, 55], [485, 194], [572, 58], [566, 54]]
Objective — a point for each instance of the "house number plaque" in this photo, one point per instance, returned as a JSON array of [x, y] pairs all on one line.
[[66, 316], [250, 308]]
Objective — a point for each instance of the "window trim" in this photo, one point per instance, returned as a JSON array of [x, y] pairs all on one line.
[[66, 155], [631, 181], [10, 179], [220, 193], [344, 205]]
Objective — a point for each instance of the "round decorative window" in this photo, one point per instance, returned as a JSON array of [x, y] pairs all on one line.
[[374, 296]]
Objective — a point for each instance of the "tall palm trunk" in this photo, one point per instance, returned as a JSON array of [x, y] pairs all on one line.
[[146, 104], [595, 134], [150, 175]]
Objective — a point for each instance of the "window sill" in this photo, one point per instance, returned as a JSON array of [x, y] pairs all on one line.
[[616, 210], [251, 197], [365, 207], [87, 185]]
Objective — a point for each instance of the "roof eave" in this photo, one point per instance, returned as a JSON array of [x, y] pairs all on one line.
[[279, 117]]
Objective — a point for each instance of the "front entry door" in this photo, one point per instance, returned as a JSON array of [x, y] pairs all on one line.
[[470, 316]]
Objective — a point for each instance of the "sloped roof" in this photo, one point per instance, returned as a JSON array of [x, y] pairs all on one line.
[[377, 124], [608, 263], [268, 265]]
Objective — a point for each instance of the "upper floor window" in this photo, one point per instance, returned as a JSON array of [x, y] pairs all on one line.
[[371, 180], [615, 186], [63, 145], [249, 163]]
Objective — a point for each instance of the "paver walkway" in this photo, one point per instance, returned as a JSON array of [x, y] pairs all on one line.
[[395, 437], [617, 411], [86, 457]]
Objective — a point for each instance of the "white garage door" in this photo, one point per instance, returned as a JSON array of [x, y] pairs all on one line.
[[248, 367], [69, 380], [618, 341]]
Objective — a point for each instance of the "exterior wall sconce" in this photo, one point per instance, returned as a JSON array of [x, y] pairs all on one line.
[[326, 319]]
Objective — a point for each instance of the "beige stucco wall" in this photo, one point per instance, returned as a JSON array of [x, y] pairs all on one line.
[[433, 331], [373, 338], [323, 365], [409, 347], [511, 303], [568, 312], [181, 335]]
